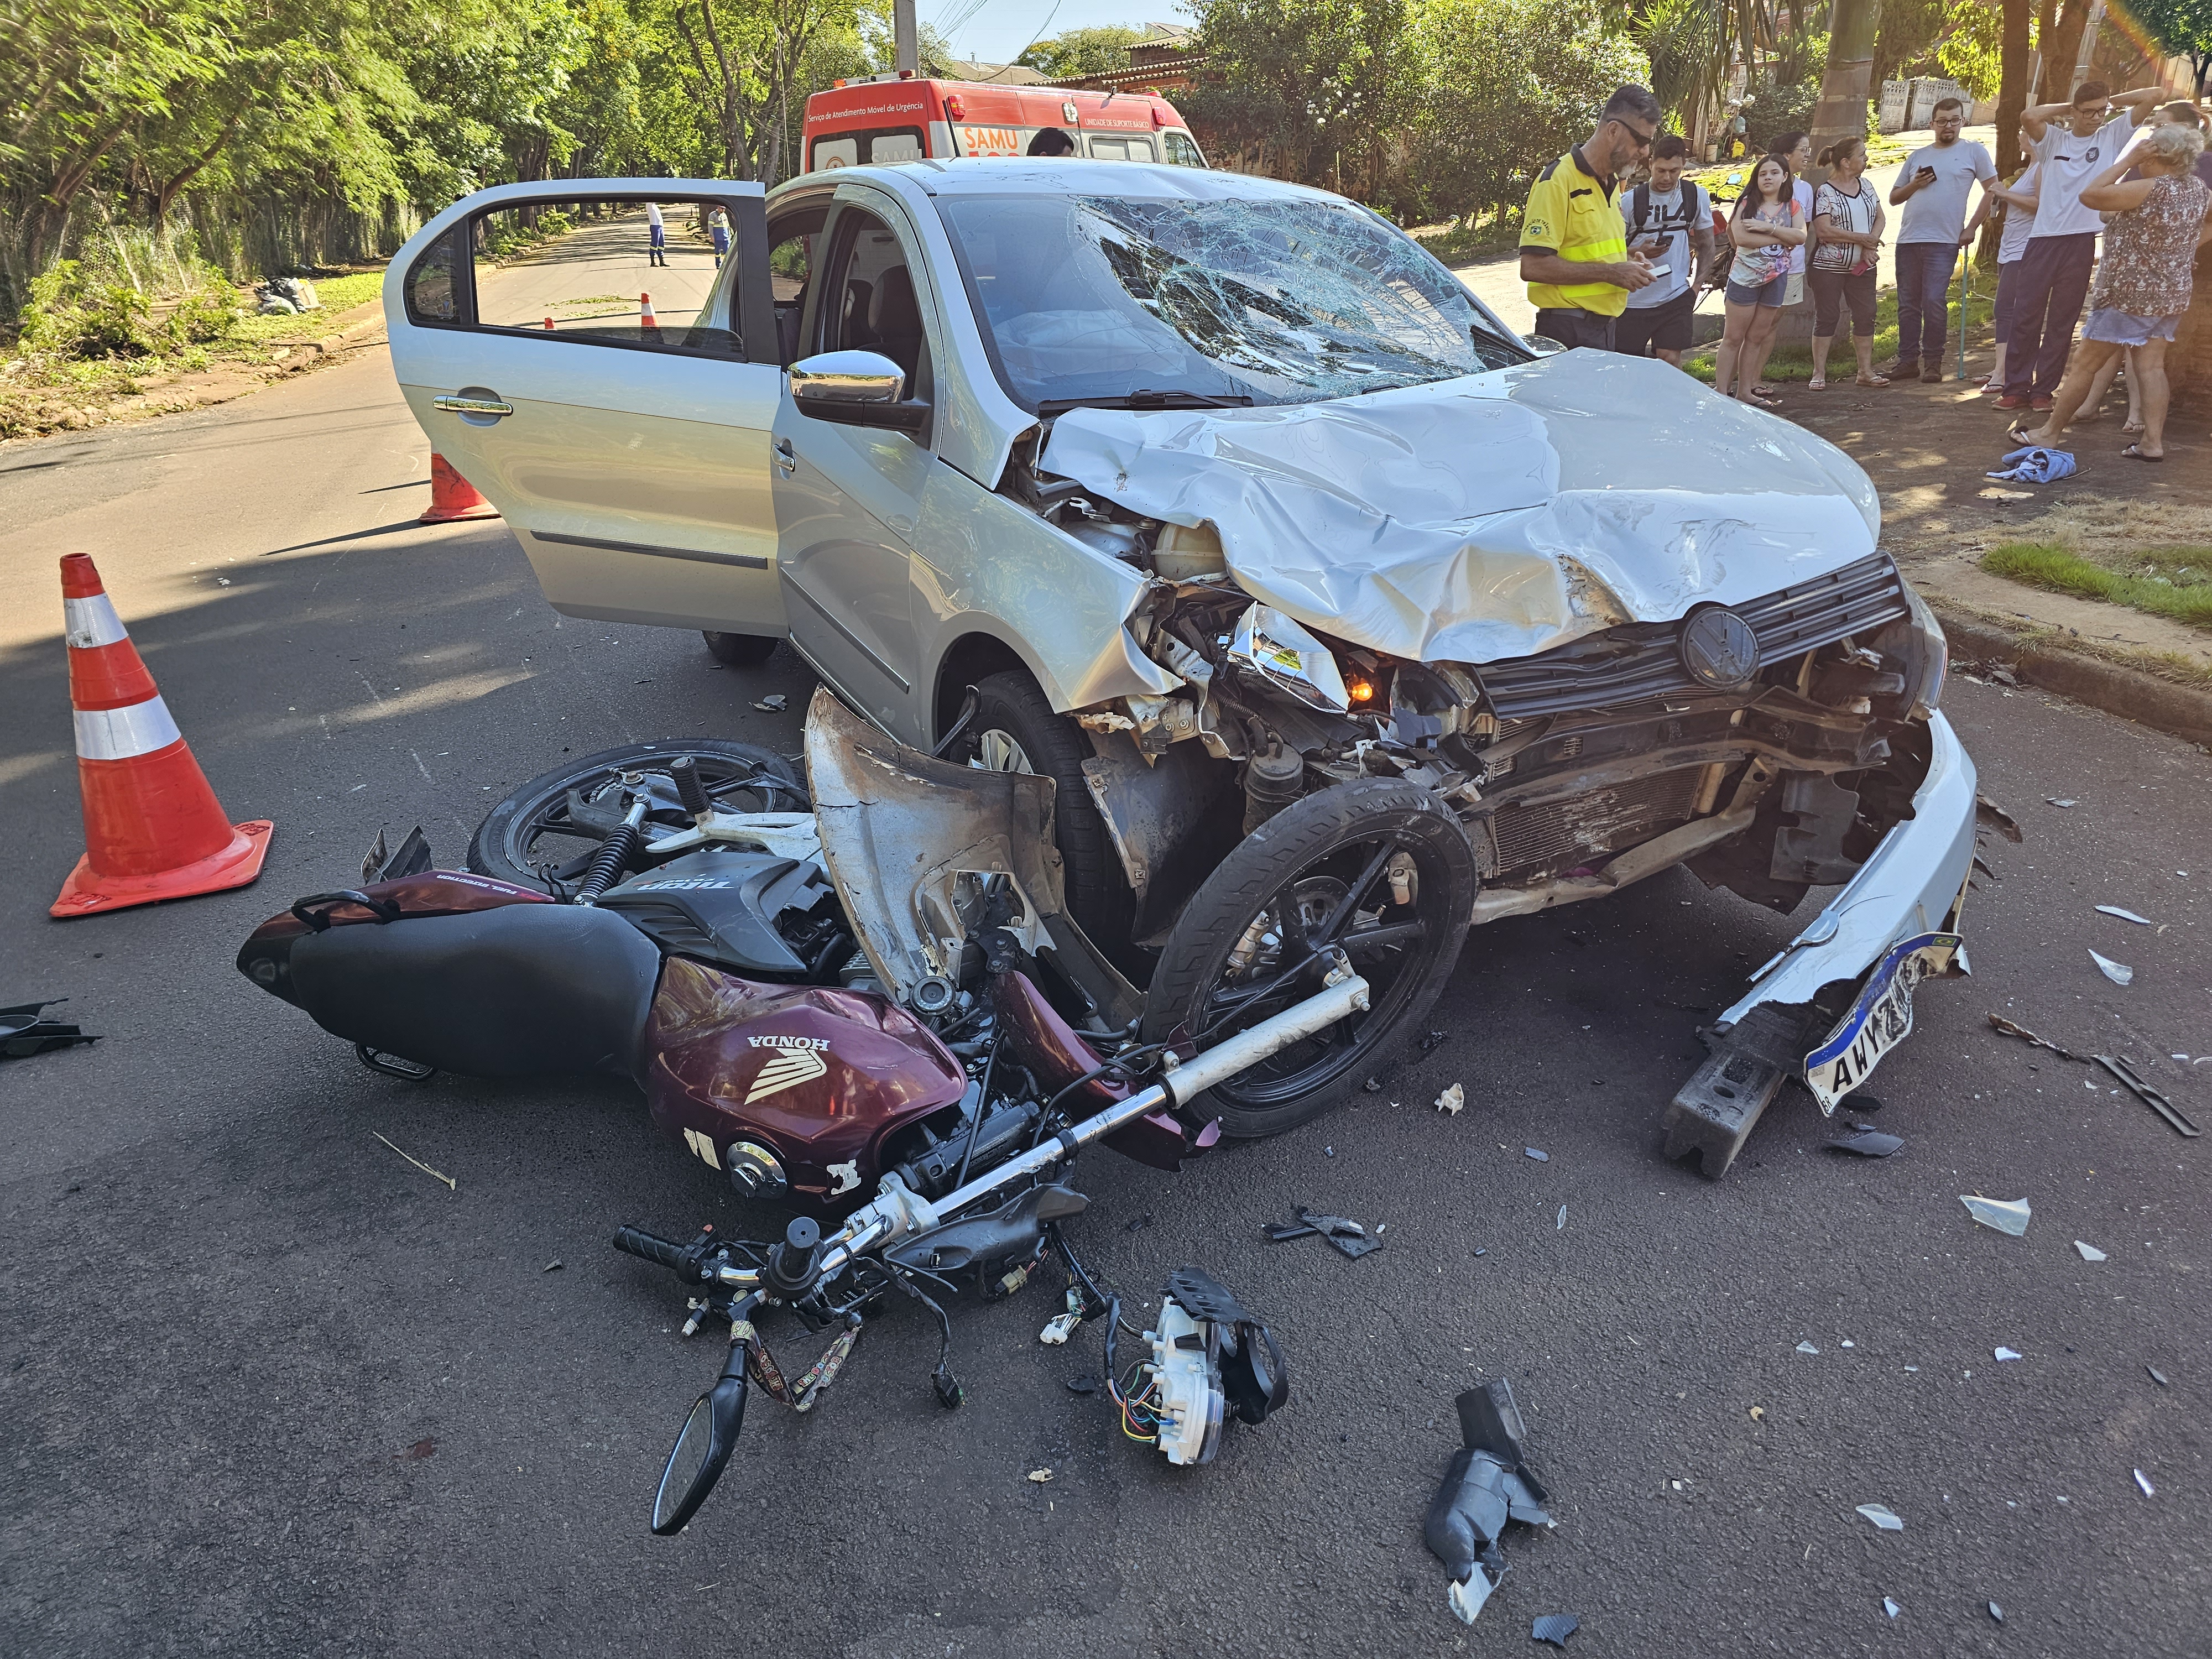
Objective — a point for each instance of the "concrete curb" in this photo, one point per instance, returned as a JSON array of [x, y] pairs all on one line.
[[2128, 692]]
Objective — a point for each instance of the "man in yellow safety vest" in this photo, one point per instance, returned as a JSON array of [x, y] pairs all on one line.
[[1574, 246]]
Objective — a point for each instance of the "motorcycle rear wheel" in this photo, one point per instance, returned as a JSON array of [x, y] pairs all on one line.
[[536, 832], [1277, 897]]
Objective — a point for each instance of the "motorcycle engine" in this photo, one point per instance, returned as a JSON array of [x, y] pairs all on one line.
[[754, 914]]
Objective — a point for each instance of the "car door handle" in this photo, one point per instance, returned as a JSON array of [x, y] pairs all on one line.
[[786, 460], [473, 405]]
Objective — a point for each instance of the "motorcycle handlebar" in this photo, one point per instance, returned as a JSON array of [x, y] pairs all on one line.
[[635, 1241]]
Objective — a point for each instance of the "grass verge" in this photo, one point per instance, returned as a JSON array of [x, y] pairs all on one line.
[[2175, 583]]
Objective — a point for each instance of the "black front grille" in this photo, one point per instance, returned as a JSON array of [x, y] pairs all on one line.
[[1630, 665], [1586, 827]]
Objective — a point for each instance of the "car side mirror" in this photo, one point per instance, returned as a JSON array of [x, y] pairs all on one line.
[[856, 388], [1543, 344]]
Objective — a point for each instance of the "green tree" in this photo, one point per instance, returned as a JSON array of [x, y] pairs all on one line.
[[1308, 89], [1972, 52], [2184, 27], [1082, 52]]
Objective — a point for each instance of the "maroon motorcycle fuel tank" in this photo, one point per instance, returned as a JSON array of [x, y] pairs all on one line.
[[816, 1075]]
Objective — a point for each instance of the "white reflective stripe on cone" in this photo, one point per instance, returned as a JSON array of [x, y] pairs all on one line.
[[92, 622], [110, 734]]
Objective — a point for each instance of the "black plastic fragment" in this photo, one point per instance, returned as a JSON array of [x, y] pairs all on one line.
[[1556, 1627], [25, 1030], [1349, 1236], [1085, 1384], [1433, 1040], [1487, 1484], [1255, 1378], [1868, 1142]]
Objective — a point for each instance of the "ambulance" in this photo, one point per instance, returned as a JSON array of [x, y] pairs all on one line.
[[894, 118]]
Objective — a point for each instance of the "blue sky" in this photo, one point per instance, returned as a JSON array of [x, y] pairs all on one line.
[[996, 30]]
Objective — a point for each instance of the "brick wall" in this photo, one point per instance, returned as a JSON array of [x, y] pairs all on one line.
[[2189, 360]]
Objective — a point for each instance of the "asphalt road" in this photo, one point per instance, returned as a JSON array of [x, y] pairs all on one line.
[[268, 1388]]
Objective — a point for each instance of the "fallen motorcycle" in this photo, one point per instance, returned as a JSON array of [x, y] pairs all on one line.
[[878, 1013]]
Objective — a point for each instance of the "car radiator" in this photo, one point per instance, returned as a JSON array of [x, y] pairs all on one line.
[[1585, 827]]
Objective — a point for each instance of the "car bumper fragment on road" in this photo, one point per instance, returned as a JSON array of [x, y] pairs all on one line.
[[1891, 926]]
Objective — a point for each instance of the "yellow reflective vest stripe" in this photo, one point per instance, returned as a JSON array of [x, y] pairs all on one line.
[[1577, 216]]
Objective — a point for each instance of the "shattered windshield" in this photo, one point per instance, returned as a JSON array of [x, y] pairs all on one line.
[[1280, 301]]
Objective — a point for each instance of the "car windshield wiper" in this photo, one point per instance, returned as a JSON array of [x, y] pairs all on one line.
[[1148, 400]]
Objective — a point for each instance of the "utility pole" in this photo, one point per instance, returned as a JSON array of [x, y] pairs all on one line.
[[906, 39]]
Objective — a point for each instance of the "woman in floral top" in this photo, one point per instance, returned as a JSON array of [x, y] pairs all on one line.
[[2153, 225], [1767, 225]]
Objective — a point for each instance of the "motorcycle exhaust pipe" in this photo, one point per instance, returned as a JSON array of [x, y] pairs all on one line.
[[900, 1209]]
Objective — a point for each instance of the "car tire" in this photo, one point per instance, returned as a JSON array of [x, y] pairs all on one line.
[[1334, 829], [501, 845], [740, 650], [1015, 729]]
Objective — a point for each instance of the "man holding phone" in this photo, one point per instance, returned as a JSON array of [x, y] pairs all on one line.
[[1932, 187], [1574, 248], [1665, 218]]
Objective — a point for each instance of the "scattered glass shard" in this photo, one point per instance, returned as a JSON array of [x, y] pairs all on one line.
[[1563, 1219], [2143, 1480], [1891, 1607], [2156, 1376], [2125, 915], [2118, 972], [2006, 1217], [1807, 1347], [2089, 1252], [1882, 1516], [1540, 1157], [2055, 801], [2004, 1354], [1848, 1343], [1997, 1613], [1466, 1600]]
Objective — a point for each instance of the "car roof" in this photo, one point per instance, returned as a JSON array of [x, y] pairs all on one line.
[[1001, 175]]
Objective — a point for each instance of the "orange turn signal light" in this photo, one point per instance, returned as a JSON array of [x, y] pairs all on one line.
[[1361, 691]]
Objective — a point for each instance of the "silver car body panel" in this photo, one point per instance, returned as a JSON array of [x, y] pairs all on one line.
[[1912, 883], [1495, 515]]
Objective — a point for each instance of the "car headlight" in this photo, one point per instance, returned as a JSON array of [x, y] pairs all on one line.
[[1277, 649], [1924, 654]]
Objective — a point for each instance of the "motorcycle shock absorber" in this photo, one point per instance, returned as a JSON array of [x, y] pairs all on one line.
[[614, 856]]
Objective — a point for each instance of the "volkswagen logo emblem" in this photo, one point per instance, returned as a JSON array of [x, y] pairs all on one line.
[[1719, 648]]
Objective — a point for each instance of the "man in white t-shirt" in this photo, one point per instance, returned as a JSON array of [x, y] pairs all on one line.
[[656, 236], [1932, 187], [2072, 143], [1666, 217]]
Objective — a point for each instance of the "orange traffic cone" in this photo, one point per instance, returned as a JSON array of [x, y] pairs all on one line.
[[645, 306], [453, 496], [152, 829]]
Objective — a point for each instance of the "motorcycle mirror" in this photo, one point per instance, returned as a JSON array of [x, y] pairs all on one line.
[[703, 1449]]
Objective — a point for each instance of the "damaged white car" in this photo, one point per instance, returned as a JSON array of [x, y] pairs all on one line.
[[1338, 619]]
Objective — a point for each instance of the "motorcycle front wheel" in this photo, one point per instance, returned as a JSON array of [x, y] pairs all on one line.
[[553, 824], [1377, 869]]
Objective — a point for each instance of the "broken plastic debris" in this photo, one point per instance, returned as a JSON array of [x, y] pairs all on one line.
[[1868, 1142], [1562, 1227], [1997, 1613], [2004, 1354], [1757, 1412], [1059, 1329], [2118, 972], [1555, 1628], [1039, 1475], [2176, 1118], [1487, 1484], [552, 1266], [1882, 1516], [1434, 1039], [1348, 1236], [2156, 1376], [1891, 1607], [1373, 1085], [2143, 1480], [2055, 801], [1540, 1157], [1452, 1099], [1847, 1343], [1988, 812], [2089, 1252], [1998, 1022], [2125, 916], [1465, 1598], [1085, 1384], [1807, 1347], [2006, 1217], [774, 703], [25, 1030]]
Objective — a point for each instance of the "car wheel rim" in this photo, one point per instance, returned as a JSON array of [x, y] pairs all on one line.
[[997, 751]]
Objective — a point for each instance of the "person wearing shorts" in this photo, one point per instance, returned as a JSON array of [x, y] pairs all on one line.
[[1666, 217], [2153, 225], [1847, 224], [1765, 226]]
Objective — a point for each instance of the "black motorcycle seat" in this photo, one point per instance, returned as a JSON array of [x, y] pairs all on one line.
[[523, 990]]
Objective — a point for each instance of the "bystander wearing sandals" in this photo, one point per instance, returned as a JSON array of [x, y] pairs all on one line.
[[1847, 226]]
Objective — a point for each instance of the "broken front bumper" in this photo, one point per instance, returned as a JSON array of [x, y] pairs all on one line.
[[1910, 886]]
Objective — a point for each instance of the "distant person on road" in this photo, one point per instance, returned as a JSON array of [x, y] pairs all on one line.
[[2018, 198], [1847, 227], [2153, 226], [1932, 187], [1574, 247], [1766, 225], [1667, 218], [1052, 141], [718, 228], [656, 236], [2062, 248]]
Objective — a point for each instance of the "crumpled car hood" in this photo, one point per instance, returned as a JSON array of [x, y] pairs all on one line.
[[1494, 515]]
